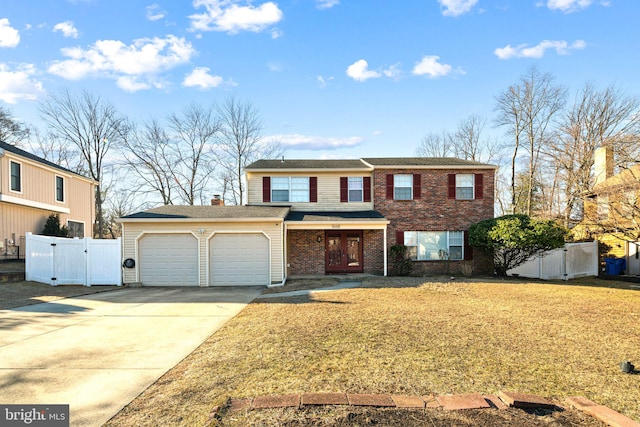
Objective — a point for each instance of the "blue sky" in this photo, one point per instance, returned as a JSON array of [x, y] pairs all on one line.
[[331, 78]]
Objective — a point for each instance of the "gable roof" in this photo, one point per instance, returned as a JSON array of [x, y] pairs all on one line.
[[199, 213], [22, 153], [284, 164], [367, 164], [423, 162]]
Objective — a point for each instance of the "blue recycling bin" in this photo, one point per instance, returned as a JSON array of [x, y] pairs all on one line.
[[615, 266]]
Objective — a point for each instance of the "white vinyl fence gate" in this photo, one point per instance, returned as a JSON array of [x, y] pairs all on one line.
[[60, 261], [574, 260]]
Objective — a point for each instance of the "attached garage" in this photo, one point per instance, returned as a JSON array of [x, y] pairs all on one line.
[[168, 260], [239, 259], [205, 246]]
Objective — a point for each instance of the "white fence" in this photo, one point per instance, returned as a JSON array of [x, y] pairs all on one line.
[[59, 261], [574, 260]]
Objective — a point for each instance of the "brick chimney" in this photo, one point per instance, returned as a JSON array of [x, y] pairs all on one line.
[[217, 201], [603, 164]]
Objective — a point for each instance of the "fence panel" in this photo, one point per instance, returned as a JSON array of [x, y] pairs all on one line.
[[104, 264], [39, 259], [59, 261], [574, 260]]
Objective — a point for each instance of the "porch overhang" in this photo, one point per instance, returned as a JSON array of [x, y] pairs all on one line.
[[359, 220]]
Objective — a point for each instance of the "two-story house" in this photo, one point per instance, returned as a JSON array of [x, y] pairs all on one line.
[[310, 217], [32, 188]]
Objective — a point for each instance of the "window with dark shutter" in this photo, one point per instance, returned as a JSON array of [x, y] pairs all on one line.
[[366, 182], [451, 178], [313, 189], [266, 189], [344, 189], [479, 186], [390, 186], [468, 250], [417, 186]]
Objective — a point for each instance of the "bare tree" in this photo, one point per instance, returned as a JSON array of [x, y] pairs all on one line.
[[597, 118], [240, 143], [194, 131], [435, 145], [528, 108], [55, 150], [11, 130], [151, 157], [467, 138], [89, 123]]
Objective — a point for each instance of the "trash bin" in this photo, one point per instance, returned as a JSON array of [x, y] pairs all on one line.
[[615, 266]]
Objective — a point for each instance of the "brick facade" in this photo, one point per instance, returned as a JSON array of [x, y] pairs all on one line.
[[307, 255], [435, 211]]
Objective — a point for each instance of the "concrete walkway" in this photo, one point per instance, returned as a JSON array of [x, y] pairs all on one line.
[[341, 285], [98, 352]]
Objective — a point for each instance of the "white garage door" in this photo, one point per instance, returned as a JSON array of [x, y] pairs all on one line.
[[169, 260], [239, 260]]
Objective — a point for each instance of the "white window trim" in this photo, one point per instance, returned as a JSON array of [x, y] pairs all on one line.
[[290, 189], [55, 189], [448, 244], [395, 187], [84, 225], [473, 186], [361, 189], [21, 175]]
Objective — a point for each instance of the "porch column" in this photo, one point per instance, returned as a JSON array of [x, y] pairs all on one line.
[[384, 246]]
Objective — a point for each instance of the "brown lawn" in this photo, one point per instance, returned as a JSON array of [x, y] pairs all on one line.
[[411, 336]]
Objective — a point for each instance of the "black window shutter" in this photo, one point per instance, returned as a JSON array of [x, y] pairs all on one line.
[[266, 188]]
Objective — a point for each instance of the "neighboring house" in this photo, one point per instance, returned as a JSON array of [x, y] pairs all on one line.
[[32, 188], [612, 210], [311, 217]]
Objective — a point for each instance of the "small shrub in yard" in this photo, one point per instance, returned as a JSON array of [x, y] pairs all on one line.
[[400, 263]]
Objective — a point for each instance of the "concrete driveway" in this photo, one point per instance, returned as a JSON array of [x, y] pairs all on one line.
[[98, 352]]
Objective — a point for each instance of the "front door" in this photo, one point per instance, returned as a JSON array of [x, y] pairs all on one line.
[[343, 251]]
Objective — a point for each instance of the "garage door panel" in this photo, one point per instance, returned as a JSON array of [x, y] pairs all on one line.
[[169, 260], [239, 260]]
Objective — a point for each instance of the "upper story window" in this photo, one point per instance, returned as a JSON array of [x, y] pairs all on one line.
[[434, 245], [355, 189], [466, 186], [293, 189], [59, 189], [403, 187], [16, 176]]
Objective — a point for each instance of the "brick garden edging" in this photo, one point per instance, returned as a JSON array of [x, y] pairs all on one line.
[[447, 402]]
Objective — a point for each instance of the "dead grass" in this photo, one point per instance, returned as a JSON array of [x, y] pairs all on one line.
[[19, 294], [408, 336]]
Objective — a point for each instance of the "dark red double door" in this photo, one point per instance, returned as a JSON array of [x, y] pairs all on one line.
[[343, 251]]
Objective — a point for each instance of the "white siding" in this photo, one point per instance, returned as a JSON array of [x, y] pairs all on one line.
[[133, 231]]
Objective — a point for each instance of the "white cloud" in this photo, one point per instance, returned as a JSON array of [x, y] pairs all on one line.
[[326, 4], [393, 72], [315, 143], [359, 71], [201, 78], [18, 84], [67, 29], [430, 66], [155, 13], [324, 81], [134, 66], [523, 51], [9, 36], [568, 6], [456, 7], [228, 16]]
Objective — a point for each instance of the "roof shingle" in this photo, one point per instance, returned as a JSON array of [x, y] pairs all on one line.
[[210, 212]]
